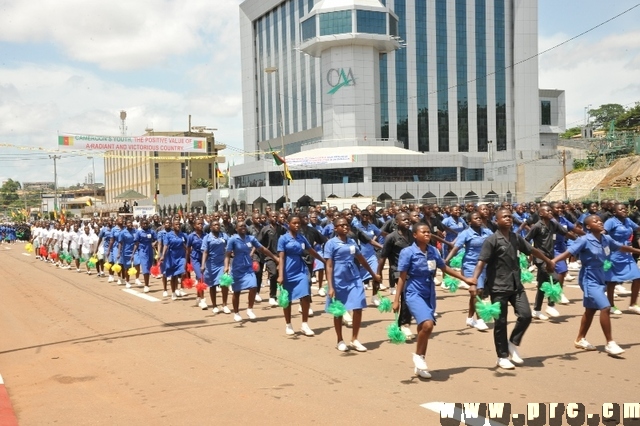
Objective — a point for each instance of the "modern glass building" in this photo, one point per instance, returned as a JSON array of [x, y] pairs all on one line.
[[390, 98]]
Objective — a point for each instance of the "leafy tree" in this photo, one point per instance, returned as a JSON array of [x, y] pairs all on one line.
[[605, 114], [630, 119], [202, 183], [571, 133], [9, 192]]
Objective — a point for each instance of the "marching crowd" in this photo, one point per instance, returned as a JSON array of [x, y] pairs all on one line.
[[299, 251]]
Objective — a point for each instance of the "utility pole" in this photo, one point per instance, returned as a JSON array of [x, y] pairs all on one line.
[[55, 182], [285, 182], [564, 172]]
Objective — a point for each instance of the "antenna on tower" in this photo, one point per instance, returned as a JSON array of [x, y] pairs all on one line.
[[123, 123]]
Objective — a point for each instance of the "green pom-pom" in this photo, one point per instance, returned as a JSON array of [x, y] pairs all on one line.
[[83, 260], [552, 290], [456, 262], [486, 310], [226, 280], [385, 304], [451, 283], [91, 264], [524, 262], [394, 333], [283, 297], [606, 265], [526, 277], [336, 308]]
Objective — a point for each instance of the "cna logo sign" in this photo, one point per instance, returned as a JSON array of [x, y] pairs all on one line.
[[339, 78]]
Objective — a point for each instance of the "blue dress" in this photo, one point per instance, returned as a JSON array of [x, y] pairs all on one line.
[[105, 234], [114, 256], [242, 272], [419, 288], [560, 243], [455, 225], [215, 248], [347, 283], [623, 265], [127, 238], [368, 251], [175, 259], [161, 234], [145, 254], [592, 254], [472, 243], [195, 243], [317, 265], [296, 279]]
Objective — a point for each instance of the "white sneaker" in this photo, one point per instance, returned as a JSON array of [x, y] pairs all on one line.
[[612, 348], [146, 289], [393, 291], [635, 309], [127, 285], [321, 292], [272, 302], [226, 309], [615, 311], [375, 301], [424, 374], [358, 346], [174, 296], [463, 285], [258, 298], [471, 322], [505, 363], [382, 287], [419, 362], [552, 312], [481, 325], [583, 344], [306, 330], [237, 318], [515, 357], [250, 314], [119, 280], [180, 293], [110, 280], [165, 294], [314, 280], [539, 315], [138, 282], [288, 330], [573, 266], [88, 272], [78, 270], [621, 290], [532, 268], [215, 310], [203, 305], [569, 277], [342, 346], [407, 332], [564, 300]]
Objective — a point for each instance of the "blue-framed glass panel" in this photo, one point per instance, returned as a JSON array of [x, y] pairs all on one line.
[[339, 22], [329, 176], [276, 61], [262, 77], [393, 26], [421, 75], [371, 22], [471, 175], [414, 174], [294, 65], [303, 72], [402, 95], [442, 75], [481, 75], [384, 98], [308, 28], [545, 113], [461, 75], [285, 66], [501, 75]]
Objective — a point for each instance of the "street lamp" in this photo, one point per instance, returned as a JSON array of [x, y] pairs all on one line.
[[93, 162], [274, 70], [208, 131]]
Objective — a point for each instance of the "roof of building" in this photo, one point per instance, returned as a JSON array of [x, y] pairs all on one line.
[[346, 4]]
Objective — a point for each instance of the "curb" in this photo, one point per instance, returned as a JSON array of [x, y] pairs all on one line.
[[7, 416]]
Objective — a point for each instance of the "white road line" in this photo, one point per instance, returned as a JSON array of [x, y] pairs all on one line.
[[141, 295], [1, 380], [26, 254], [572, 285], [479, 421]]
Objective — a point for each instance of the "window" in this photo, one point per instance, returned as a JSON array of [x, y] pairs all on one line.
[[423, 174], [471, 175], [335, 22], [393, 26], [155, 153], [252, 180], [334, 176], [545, 113], [183, 170], [184, 189], [308, 28], [210, 170], [156, 170], [371, 22]]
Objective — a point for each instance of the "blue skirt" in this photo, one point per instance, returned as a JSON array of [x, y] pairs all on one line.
[[174, 267], [146, 261], [594, 296], [297, 286], [244, 282], [212, 275], [196, 269], [421, 306], [622, 270], [352, 297]]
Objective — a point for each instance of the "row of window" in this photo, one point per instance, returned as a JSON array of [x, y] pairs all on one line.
[[341, 22]]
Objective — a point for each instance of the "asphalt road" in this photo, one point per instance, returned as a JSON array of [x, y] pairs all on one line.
[[77, 350]]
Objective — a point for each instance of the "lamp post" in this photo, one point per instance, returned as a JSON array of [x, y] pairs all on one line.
[[93, 164], [208, 131], [285, 184], [55, 182]]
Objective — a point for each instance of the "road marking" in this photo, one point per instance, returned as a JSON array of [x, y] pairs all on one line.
[[479, 421], [572, 285], [26, 254], [141, 295]]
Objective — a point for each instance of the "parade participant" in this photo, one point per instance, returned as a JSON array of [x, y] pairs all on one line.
[[85, 242], [145, 239], [318, 267], [174, 254], [471, 239], [113, 255], [293, 273], [104, 237], [499, 254], [213, 249], [560, 243], [194, 255], [74, 246], [268, 237], [454, 225], [126, 243], [316, 240], [368, 251], [161, 234], [244, 278], [417, 267], [623, 266], [593, 250], [344, 280]]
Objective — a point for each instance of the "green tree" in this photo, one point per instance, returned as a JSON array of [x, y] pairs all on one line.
[[202, 183], [9, 192], [605, 114], [630, 119], [571, 133]]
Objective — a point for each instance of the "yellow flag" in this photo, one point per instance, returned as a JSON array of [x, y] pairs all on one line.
[[287, 175]]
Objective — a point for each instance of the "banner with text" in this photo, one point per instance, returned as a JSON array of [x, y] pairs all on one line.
[[325, 159], [132, 143]]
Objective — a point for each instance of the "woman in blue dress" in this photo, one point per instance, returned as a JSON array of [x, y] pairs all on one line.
[[417, 265], [161, 234], [345, 284], [144, 241], [126, 244], [293, 273], [454, 225], [623, 265], [244, 278], [592, 250], [194, 254], [214, 246], [471, 239], [174, 256], [368, 250]]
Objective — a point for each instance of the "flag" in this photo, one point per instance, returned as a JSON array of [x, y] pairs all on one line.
[[198, 144], [218, 172], [279, 160], [65, 140], [89, 202], [286, 172]]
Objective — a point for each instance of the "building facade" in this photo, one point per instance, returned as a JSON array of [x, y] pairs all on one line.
[[443, 92]]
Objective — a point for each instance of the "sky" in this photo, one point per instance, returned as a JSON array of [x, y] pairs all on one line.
[[72, 66]]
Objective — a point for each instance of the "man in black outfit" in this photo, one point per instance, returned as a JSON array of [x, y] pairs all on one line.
[[268, 237]]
